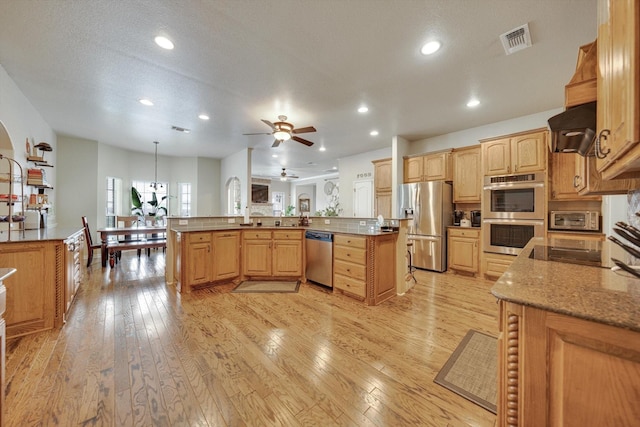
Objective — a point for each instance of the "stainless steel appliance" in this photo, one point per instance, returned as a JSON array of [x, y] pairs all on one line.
[[476, 218], [319, 249], [513, 211], [430, 206], [514, 196], [575, 220], [509, 236]]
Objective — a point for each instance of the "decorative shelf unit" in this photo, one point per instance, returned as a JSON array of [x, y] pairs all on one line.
[[36, 177], [10, 198]]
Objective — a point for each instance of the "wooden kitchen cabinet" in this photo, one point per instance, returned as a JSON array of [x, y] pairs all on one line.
[[559, 370], [618, 88], [589, 181], [566, 178], [209, 257], [436, 166], [382, 179], [464, 249], [74, 269], [515, 154], [494, 265], [277, 253], [361, 267], [467, 176]]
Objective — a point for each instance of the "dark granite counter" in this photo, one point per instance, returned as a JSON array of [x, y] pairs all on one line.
[[581, 289]]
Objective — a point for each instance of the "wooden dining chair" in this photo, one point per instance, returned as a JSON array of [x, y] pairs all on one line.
[[90, 245]]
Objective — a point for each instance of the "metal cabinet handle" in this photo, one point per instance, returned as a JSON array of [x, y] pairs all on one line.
[[575, 181], [600, 153]]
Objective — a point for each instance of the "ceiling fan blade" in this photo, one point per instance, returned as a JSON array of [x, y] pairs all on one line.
[[304, 130], [268, 123], [276, 143], [302, 141], [260, 133]]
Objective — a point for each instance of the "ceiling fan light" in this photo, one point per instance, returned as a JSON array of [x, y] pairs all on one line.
[[281, 135]]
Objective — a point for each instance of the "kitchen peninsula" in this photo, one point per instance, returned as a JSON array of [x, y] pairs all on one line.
[[49, 270], [569, 344], [210, 250]]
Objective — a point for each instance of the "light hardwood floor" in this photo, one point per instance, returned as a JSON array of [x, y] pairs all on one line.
[[135, 353]]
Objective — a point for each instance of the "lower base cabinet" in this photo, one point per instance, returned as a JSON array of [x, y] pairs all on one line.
[[494, 265], [463, 250], [558, 370], [364, 267], [207, 257], [272, 253]]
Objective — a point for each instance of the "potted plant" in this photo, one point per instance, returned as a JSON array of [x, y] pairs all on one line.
[[157, 211]]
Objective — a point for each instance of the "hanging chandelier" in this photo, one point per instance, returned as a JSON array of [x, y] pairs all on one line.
[[155, 184]]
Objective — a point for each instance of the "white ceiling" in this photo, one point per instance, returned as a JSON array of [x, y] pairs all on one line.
[[85, 63]]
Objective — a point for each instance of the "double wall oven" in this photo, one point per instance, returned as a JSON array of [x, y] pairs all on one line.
[[513, 211]]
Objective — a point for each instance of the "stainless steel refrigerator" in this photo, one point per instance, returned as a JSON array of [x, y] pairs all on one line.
[[430, 206]]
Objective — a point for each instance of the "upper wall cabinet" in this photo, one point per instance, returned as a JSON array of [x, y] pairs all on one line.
[[428, 167], [515, 154], [467, 177], [382, 175], [618, 88]]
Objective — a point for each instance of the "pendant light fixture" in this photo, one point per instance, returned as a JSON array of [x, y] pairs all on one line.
[[155, 182]]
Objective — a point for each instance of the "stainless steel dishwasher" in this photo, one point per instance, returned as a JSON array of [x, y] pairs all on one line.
[[319, 246]]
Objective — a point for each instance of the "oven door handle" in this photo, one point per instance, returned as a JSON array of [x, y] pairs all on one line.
[[513, 221], [513, 185]]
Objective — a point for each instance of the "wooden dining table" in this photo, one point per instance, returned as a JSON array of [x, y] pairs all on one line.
[[140, 232]]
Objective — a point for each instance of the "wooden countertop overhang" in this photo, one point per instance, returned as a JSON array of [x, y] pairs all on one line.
[[592, 293]]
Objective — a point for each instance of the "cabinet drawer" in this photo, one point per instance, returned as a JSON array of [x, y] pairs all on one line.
[[199, 237], [256, 235], [287, 235], [348, 253], [349, 269], [353, 241], [464, 232], [348, 284]]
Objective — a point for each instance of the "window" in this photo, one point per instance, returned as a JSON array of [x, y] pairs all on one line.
[[277, 198], [184, 197], [146, 195], [113, 200]]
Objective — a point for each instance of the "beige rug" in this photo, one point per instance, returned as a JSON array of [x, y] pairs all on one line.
[[472, 370], [264, 286]]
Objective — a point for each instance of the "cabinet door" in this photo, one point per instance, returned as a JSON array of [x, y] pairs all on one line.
[[528, 152], [496, 157], [227, 255], [467, 181], [383, 205], [287, 257], [437, 167], [463, 254], [618, 91], [199, 259], [589, 182], [413, 169], [382, 175], [562, 173], [256, 257]]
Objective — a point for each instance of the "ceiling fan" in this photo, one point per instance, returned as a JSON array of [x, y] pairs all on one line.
[[284, 176], [282, 131]]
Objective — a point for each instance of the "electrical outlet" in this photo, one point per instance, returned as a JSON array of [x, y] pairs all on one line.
[[363, 222], [231, 220], [327, 221], [183, 222]]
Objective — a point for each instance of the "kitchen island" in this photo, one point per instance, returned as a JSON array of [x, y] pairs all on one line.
[[201, 253], [49, 272], [569, 344]]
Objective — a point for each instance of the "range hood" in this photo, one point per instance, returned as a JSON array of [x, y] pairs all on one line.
[[574, 130]]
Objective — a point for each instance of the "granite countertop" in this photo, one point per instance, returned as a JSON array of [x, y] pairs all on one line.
[[361, 231], [42, 234], [589, 292]]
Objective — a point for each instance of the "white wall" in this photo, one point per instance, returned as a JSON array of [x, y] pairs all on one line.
[[207, 199], [355, 168]]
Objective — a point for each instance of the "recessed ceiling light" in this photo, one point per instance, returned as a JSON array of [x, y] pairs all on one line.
[[164, 42], [145, 101], [374, 133], [203, 117], [323, 149], [335, 168], [363, 109], [275, 156], [473, 103], [430, 47]]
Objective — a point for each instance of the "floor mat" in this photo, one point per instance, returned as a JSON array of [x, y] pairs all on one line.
[[265, 286]]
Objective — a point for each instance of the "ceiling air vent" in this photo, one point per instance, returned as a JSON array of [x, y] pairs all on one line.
[[179, 129], [517, 39]]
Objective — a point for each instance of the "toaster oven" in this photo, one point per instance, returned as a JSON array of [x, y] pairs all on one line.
[[575, 220]]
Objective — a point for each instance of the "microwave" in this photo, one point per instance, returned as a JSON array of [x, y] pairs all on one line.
[[575, 220]]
